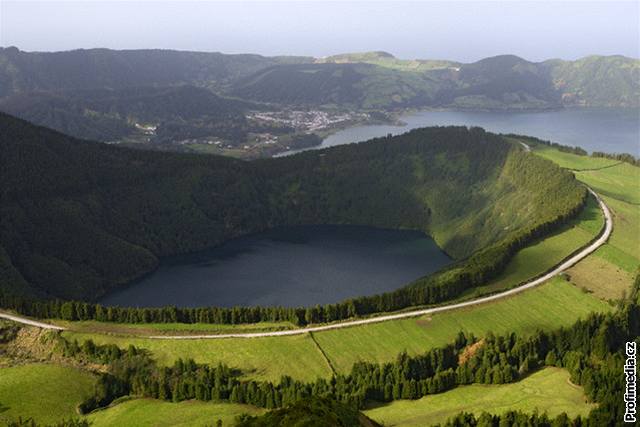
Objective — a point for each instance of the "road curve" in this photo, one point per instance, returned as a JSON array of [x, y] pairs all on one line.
[[601, 240], [26, 321]]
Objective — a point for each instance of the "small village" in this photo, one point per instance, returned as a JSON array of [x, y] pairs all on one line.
[[308, 121]]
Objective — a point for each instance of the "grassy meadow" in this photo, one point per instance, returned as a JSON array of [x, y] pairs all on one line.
[[44, 392], [157, 413], [259, 358], [554, 304], [170, 328], [608, 273], [548, 390], [573, 161]]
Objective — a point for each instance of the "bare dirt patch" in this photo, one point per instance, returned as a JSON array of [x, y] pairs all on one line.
[[469, 351], [600, 277]]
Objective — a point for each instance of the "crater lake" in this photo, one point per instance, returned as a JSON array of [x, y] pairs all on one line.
[[288, 266]]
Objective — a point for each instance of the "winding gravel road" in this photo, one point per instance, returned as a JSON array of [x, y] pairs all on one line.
[[572, 260]]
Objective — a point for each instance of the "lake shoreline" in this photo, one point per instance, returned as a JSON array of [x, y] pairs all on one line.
[[585, 127]]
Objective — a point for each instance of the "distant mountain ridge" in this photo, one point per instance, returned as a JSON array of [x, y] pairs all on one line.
[[59, 89]]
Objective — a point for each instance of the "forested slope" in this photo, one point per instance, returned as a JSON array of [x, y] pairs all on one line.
[[79, 218], [109, 115], [22, 71]]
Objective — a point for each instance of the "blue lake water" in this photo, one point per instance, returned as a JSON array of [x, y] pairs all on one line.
[[290, 266], [610, 130]]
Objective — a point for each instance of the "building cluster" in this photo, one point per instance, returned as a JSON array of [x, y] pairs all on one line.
[[306, 121]]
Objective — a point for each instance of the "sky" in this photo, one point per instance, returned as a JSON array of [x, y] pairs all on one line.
[[461, 31]]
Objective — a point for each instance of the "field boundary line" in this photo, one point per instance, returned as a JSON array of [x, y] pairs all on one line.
[[324, 355]]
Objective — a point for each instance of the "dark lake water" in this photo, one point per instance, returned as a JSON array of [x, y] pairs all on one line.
[[290, 266], [610, 130]]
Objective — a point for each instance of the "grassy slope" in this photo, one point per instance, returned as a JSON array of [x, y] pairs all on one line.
[[609, 272], [618, 182], [260, 358], [548, 391], [572, 161], [547, 252], [554, 304], [34, 391], [169, 328], [151, 412]]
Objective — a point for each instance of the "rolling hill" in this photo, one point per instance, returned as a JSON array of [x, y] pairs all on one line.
[[369, 80], [22, 71], [108, 114], [504, 82]]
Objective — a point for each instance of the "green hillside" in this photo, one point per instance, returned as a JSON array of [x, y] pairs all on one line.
[[108, 115], [385, 59], [33, 391], [504, 82], [603, 81], [548, 390], [156, 413], [22, 71]]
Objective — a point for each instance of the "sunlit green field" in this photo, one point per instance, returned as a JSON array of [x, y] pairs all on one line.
[[260, 358], [573, 161], [619, 186], [623, 248], [547, 391], [555, 304], [618, 182], [157, 413], [46, 393], [169, 328]]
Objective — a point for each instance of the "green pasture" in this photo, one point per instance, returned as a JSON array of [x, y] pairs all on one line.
[[548, 390], [259, 358], [44, 392], [157, 413]]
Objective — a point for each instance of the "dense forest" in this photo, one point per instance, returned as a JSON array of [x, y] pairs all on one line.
[[592, 350], [79, 219], [110, 115]]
